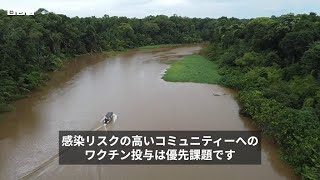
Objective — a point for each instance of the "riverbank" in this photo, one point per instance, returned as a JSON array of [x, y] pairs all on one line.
[[198, 69], [39, 79], [159, 46], [284, 109], [193, 68]]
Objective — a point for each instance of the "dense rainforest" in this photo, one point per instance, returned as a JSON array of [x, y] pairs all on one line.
[[274, 63]]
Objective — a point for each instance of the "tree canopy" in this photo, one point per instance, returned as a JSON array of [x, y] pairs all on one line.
[[274, 63]]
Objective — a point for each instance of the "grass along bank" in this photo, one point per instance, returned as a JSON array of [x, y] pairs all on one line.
[[159, 46], [193, 68]]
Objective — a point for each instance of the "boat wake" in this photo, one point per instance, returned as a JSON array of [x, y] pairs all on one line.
[[41, 168]]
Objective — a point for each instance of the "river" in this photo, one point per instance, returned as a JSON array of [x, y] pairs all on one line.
[[130, 85]]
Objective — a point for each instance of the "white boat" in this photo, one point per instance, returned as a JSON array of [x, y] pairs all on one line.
[[110, 116]]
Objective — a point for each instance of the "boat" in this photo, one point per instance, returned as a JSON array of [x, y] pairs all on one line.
[[110, 116]]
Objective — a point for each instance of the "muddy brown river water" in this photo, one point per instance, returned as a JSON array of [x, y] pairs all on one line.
[[130, 85]]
